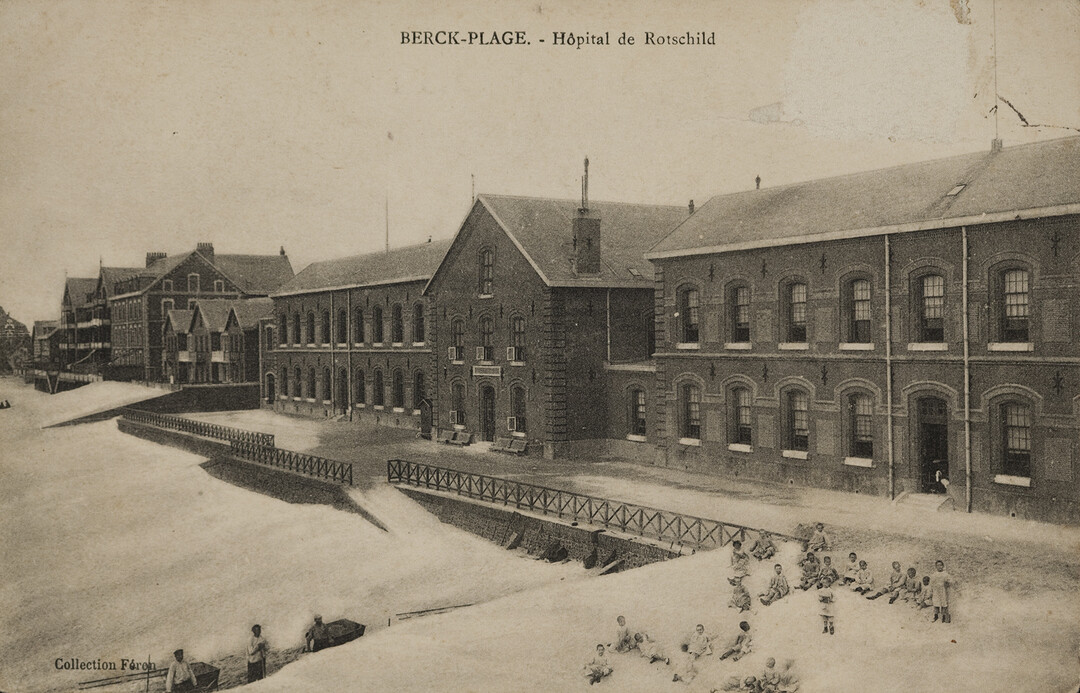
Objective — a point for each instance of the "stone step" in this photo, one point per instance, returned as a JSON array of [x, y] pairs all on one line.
[[921, 501]]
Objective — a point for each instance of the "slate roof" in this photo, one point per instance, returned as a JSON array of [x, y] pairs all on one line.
[[250, 311], [111, 275], [1033, 177], [80, 290], [214, 312], [543, 230], [179, 319], [255, 274], [409, 263]]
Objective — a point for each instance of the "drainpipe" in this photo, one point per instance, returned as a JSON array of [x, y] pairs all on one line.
[[333, 363], [608, 325], [967, 377], [888, 367], [349, 327]]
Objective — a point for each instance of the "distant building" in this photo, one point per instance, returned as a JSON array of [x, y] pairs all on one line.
[[215, 342], [46, 342], [15, 343], [77, 327]]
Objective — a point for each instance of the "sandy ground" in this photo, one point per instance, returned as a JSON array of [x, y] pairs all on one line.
[[121, 545]]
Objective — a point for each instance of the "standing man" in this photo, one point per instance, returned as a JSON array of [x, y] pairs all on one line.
[[180, 676], [318, 636], [256, 654]]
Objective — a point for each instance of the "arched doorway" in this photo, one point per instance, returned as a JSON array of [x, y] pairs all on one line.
[[271, 394], [932, 443], [425, 418], [487, 413]]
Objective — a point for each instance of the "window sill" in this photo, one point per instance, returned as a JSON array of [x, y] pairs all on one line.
[[795, 454], [399, 410], [928, 346], [459, 427], [359, 405], [517, 363], [342, 345], [416, 412], [485, 296], [696, 442], [1010, 346], [379, 407], [738, 346], [327, 402], [283, 397], [296, 399], [688, 346], [1007, 480], [419, 344], [376, 344], [793, 346], [457, 363], [397, 344], [740, 447], [518, 434], [310, 345], [358, 344], [858, 461], [309, 400], [856, 346], [633, 437]]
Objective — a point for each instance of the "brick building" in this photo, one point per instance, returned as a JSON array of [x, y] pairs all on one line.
[[46, 351], [543, 309], [77, 328], [877, 331], [140, 302], [351, 337]]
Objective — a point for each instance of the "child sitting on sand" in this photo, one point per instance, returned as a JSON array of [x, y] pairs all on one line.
[[648, 649], [598, 667], [896, 580], [763, 548], [852, 569], [864, 579], [819, 541], [740, 598], [740, 646], [740, 560], [778, 587]]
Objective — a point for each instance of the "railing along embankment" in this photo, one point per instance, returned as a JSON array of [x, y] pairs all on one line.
[[199, 428]]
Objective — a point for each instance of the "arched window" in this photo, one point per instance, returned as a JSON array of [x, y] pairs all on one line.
[[298, 384], [487, 271], [327, 385], [283, 322], [457, 404], [285, 382], [376, 325], [418, 334], [690, 411], [860, 425], [1013, 299], [310, 327], [418, 392], [296, 329], [796, 420], [516, 352], [378, 393], [311, 383], [637, 411], [269, 336], [397, 325], [741, 416], [1016, 439], [516, 424], [457, 336], [398, 392], [739, 306], [930, 307], [325, 334], [795, 311], [361, 387], [688, 315], [342, 326], [485, 352], [856, 309], [358, 325]]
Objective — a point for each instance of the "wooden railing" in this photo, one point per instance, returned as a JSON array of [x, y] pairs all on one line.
[[309, 465], [661, 525], [201, 428]]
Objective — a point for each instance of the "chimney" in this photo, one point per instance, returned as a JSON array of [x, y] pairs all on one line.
[[282, 251], [206, 250], [586, 229], [151, 258], [691, 206], [757, 182], [995, 145]]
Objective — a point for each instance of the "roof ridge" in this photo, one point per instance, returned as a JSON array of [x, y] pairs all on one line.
[[574, 201], [344, 258]]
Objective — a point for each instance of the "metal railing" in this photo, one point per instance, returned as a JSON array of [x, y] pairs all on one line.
[[201, 428], [661, 525], [309, 465]]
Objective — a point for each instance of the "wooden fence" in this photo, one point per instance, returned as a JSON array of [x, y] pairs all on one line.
[[201, 428], [309, 465]]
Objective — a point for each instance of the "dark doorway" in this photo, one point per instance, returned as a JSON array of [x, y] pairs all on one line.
[[270, 393], [933, 432], [343, 391], [487, 413], [425, 418]]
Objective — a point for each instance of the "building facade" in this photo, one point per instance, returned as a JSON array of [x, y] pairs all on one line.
[[883, 332]]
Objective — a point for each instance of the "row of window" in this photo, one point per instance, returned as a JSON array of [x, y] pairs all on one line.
[[485, 349], [217, 341], [1014, 424], [192, 285], [515, 423], [127, 311], [304, 330], [306, 387], [168, 304], [1011, 306], [126, 335]]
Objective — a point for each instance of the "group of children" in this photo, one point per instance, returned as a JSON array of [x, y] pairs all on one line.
[[695, 646]]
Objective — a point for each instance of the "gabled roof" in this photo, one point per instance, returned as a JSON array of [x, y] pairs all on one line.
[[214, 313], [44, 328], [542, 229], [1039, 179], [108, 276], [255, 274], [249, 311], [409, 263], [178, 320], [80, 290]]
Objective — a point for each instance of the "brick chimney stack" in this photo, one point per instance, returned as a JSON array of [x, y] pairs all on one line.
[[151, 258], [586, 229], [206, 250]]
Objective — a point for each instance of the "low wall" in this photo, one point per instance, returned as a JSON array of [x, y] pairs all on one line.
[[191, 398], [537, 534]]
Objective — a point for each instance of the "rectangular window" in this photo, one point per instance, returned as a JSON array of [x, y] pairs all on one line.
[[798, 415], [740, 311], [691, 400], [487, 271], [860, 311], [637, 413], [1017, 428], [932, 328], [1016, 306], [797, 313], [862, 427], [193, 283], [689, 317], [219, 286], [742, 417]]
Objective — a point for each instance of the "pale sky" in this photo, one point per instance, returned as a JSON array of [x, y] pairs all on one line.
[[129, 126]]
